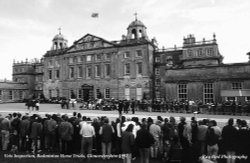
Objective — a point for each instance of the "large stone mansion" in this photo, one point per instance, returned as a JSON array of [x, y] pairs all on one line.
[[131, 68]]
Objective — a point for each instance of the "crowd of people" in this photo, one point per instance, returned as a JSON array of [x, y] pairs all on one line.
[[144, 138], [161, 105]]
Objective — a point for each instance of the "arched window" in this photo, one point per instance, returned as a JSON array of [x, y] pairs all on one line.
[[134, 34]]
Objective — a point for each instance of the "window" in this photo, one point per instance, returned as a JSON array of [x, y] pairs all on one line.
[[74, 59], [57, 64], [50, 74], [57, 93], [1, 93], [72, 94], [80, 72], [157, 71], [79, 59], [127, 69], [50, 62], [57, 74], [157, 59], [107, 93], [108, 56], [98, 70], [126, 55], [98, 57], [11, 95], [237, 85], [107, 69], [199, 52], [158, 82], [80, 93], [231, 98], [209, 51], [139, 68], [89, 74], [127, 93], [71, 72], [138, 93], [138, 53], [71, 60], [182, 92], [208, 93], [50, 93], [20, 94], [189, 53], [98, 93], [247, 98], [88, 58], [158, 95]]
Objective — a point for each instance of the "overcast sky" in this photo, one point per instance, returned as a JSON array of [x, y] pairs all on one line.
[[28, 26]]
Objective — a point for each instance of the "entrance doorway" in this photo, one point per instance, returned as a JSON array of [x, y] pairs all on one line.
[[87, 92]]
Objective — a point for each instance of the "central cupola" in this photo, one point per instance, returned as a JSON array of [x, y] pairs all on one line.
[[137, 30]]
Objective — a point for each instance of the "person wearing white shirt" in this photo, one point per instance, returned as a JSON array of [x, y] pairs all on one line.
[[87, 132]]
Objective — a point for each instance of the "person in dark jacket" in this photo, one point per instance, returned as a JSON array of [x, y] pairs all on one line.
[[128, 140], [229, 135], [50, 127], [24, 132], [243, 141], [212, 140], [120, 108], [133, 106], [106, 132], [65, 131], [15, 131], [36, 133], [144, 141]]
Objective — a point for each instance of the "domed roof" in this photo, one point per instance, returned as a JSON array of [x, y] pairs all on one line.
[[136, 23], [59, 37]]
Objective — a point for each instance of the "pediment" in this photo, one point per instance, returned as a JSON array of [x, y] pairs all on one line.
[[90, 42]]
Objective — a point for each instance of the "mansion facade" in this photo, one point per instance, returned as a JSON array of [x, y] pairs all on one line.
[[131, 68]]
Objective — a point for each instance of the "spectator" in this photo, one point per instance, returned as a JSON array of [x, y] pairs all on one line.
[[132, 106], [35, 134], [50, 126], [144, 141], [87, 132], [24, 133], [5, 132], [201, 136], [106, 132], [97, 139], [212, 140], [15, 131], [118, 136], [243, 142], [155, 130], [128, 140], [229, 137], [120, 108], [65, 131], [184, 132]]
